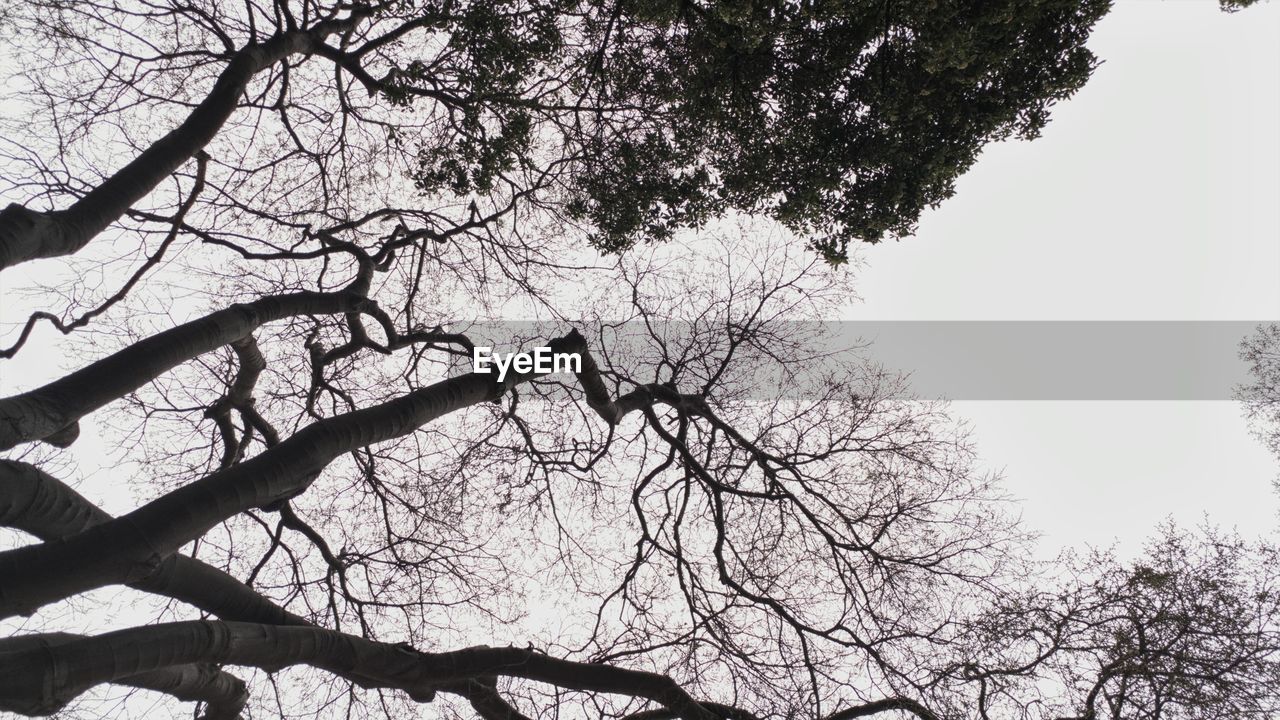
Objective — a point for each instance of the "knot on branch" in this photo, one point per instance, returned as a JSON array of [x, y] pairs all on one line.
[[65, 437]]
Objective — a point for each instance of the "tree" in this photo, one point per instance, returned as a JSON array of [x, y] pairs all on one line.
[[1261, 396], [1189, 631], [1235, 5], [721, 518], [632, 118], [761, 547], [712, 487]]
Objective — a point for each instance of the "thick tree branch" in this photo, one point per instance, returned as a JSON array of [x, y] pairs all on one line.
[[68, 326], [27, 234], [484, 699], [613, 410], [224, 694], [51, 412], [886, 705], [33, 501], [134, 545], [59, 672], [239, 397], [892, 704]]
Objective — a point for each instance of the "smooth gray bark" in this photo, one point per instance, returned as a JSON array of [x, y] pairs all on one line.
[[33, 501], [77, 665], [224, 694]]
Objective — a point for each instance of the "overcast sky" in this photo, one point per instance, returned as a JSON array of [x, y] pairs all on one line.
[[1154, 194]]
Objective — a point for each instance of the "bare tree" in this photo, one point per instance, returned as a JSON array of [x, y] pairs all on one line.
[[286, 227], [757, 524]]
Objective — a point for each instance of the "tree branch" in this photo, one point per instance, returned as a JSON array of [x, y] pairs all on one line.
[[68, 326], [59, 672], [35, 502], [224, 694], [51, 412], [28, 234], [132, 546]]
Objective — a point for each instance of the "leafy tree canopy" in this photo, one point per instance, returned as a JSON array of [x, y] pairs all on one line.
[[842, 119], [632, 119]]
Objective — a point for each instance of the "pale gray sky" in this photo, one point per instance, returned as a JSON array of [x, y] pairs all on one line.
[[1154, 194]]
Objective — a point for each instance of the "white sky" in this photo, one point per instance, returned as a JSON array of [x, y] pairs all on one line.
[[1154, 194]]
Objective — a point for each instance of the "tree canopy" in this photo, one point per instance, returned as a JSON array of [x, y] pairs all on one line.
[[844, 120]]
